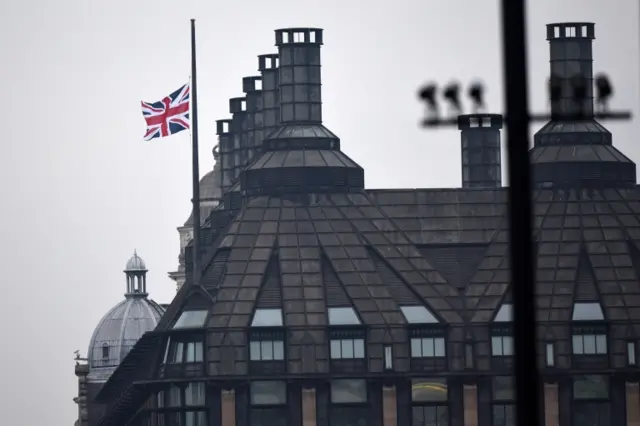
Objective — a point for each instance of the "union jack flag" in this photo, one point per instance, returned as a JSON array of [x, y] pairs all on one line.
[[168, 116]]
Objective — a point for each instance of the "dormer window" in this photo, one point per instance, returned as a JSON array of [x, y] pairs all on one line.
[[501, 332], [191, 319], [346, 345], [179, 351], [347, 339], [266, 341], [589, 333], [427, 338], [184, 352]]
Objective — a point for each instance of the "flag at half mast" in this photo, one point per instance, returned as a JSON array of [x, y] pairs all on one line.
[[173, 114], [168, 116]]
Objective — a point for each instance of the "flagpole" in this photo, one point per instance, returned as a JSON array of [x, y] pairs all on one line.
[[194, 148]]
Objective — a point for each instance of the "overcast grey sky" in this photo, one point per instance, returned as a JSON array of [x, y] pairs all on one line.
[[81, 190]]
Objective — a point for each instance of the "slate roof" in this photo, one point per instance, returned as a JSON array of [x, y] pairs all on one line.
[[307, 250]]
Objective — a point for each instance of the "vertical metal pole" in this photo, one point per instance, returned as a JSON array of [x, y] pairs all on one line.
[[520, 208], [196, 172]]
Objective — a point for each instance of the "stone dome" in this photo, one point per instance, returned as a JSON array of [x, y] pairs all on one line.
[[124, 324]]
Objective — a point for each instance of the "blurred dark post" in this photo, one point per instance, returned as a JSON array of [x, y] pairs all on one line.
[[520, 212]]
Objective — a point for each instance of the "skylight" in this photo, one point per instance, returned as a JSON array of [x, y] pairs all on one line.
[[591, 311], [418, 315], [191, 319], [504, 313], [267, 318], [343, 316]]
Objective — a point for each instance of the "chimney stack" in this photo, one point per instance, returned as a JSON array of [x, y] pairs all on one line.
[[252, 87], [571, 59], [238, 109], [225, 144], [480, 150], [268, 67], [300, 96]]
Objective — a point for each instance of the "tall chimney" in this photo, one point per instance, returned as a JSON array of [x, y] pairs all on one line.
[[225, 147], [268, 67], [238, 109], [252, 87], [480, 150], [571, 58], [300, 95]]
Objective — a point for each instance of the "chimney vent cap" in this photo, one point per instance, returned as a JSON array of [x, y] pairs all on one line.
[[308, 36], [480, 121], [571, 30]]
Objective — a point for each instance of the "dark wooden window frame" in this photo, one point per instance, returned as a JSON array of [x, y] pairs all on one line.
[[172, 365], [280, 409], [267, 366], [580, 404], [507, 406], [444, 404], [427, 364], [163, 408], [348, 365], [501, 331]]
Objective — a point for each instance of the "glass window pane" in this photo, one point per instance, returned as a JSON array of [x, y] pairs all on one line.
[[418, 315], [194, 394], [428, 390], [179, 352], [601, 344], [199, 352], [348, 391], [278, 350], [589, 342], [587, 312], [336, 351], [174, 399], [550, 356], [343, 316], [388, 357], [266, 348], [268, 393], [427, 347], [195, 418], [631, 353], [254, 351], [507, 345], [191, 319], [358, 348], [416, 348], [496, 345], [347, 348], [576, 340], [267, 318], [504, 313], [591, 387], [191, 352], [439, 346]]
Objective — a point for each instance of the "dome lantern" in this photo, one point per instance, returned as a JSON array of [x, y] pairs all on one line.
[[136, 272]]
